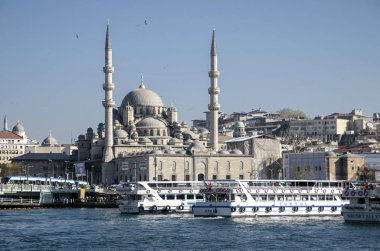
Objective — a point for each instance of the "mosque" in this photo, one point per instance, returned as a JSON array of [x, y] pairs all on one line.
[[142, 139]]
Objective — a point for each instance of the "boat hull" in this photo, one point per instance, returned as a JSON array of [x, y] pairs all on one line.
[[361, 216], [265, 211]]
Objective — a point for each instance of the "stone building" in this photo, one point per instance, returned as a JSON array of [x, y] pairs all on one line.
[[322, 166], [12, 143]]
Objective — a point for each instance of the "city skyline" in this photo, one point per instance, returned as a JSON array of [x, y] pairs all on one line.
[[299, 54]]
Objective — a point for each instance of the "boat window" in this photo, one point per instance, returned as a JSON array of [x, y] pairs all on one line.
[[329, 197], [321, 197], [263, 197], [313, 197], [199, 197], [361, 201], [280, 197], [288, 197], [162, 196], [271, 197], [243, 197], [180, 196], [232, 197], [305, 197], [190, 196], [170, 197], [297, 197]]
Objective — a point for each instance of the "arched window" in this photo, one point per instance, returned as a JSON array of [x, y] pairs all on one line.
[[201, 177], [228, 166], [241, 165]]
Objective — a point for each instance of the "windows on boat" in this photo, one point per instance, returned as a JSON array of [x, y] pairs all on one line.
[[180, 196], [190, 196], [305, 197]]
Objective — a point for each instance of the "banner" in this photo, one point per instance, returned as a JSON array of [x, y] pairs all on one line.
[[80, 169]]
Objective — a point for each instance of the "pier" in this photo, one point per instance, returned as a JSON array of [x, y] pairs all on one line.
[[24, 196]]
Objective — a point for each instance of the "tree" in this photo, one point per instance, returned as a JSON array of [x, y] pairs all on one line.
[[288, 113], [11, 170]]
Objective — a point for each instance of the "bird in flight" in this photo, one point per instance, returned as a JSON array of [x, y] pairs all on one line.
[[146, 22], [77, 35]]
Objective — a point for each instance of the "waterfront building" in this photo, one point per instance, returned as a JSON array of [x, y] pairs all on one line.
[[12, 143], [322, 166]]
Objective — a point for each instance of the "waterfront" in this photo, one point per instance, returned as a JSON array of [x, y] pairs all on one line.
[[97, 228]]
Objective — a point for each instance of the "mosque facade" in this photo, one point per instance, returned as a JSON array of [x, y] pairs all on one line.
[[142, 139]]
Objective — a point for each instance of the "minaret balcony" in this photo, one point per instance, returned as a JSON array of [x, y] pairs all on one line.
[[214, 107], [108, 86], [108, 69], [213, 74], [109, 103], [213, 91]]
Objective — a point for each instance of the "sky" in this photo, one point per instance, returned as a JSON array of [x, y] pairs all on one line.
[[320, 57]]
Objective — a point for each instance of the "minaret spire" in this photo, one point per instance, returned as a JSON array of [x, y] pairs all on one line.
[[5, 123], [142, 81], [108, 102], [214, 91]]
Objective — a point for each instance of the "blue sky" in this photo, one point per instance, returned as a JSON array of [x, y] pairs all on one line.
[[317, 56]]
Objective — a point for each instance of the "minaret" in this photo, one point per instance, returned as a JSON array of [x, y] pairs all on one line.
[[214, 90], [108, 102], [5, 123]]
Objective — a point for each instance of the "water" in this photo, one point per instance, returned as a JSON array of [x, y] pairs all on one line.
[[107, 229]]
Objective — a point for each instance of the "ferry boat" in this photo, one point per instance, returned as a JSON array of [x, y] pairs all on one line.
[[159, 197], [364, 202], [256, 198]]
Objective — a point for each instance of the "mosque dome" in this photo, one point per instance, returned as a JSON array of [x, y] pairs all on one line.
[[150, 122], [236, 151], [190, 135], [119, 133], [239, 124], [50, 141], [156, 152], [224, 152], [196, 147], [174, 141], [18, 128], [142, 97]]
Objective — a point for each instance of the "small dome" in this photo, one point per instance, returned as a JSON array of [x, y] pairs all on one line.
[[156, 152], [190, 135], [224, 152], [188, 142], [330, 154], [18, 128], [196, 147], [150, 122], [50, 141], [236, 151], [183, 123], [239, 124], [81, 137], [144, 140], [174, 141], [120, 134], [142, 97], [90, 130], [169, 151]]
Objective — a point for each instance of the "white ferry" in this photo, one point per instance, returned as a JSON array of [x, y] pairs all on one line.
[[256, 198], [159, 197], [364, 205]]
